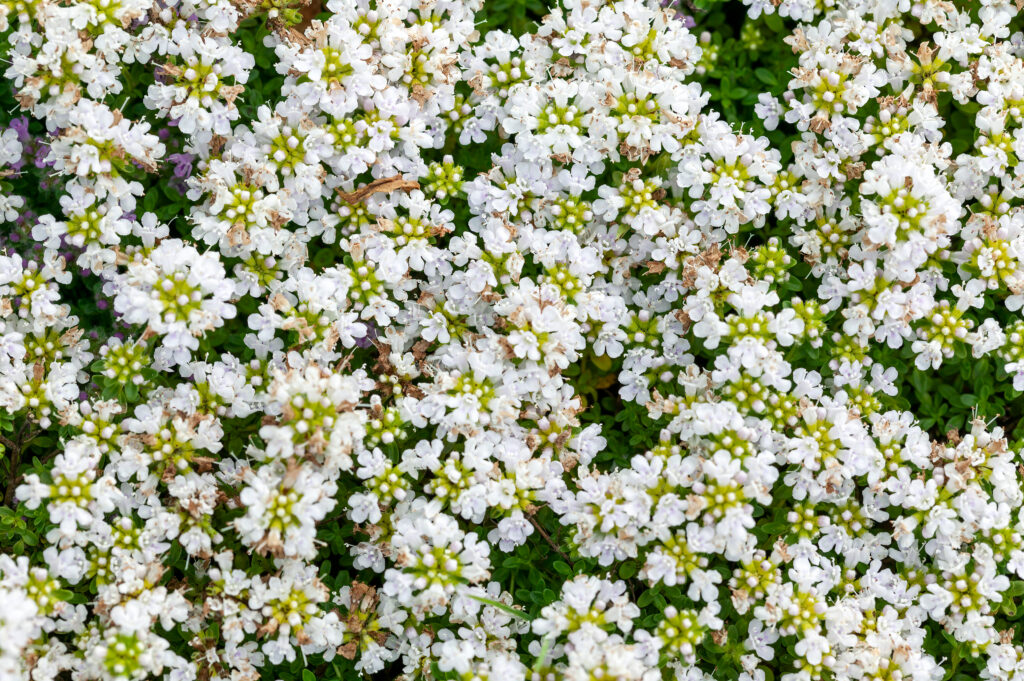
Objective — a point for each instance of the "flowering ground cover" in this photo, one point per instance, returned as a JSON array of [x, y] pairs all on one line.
[[497, 341]]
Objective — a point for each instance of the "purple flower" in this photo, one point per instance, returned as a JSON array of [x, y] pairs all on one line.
[[20, 126], [25, 221], [371, 334], [40, 160], [182, 164]]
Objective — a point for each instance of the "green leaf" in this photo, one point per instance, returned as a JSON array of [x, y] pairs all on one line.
[[501, 606], [765, 76], [545, 648], [774, 22], [949, 393], [646, 597]]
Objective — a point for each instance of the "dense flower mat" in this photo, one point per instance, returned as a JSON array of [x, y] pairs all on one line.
[[493, 341]]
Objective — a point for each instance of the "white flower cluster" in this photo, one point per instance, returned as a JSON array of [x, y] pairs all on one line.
[[351, 385]]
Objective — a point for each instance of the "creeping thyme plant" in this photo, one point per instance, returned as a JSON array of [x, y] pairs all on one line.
[[466, 340]]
